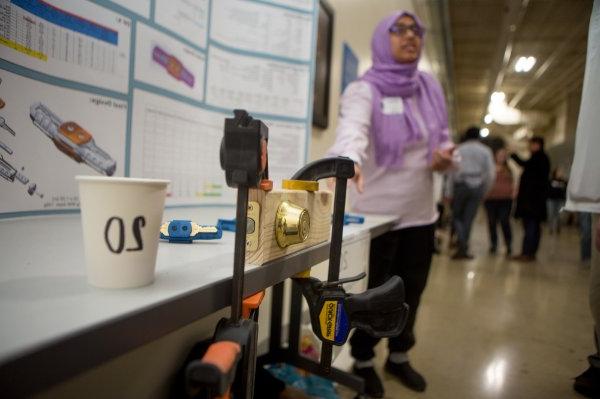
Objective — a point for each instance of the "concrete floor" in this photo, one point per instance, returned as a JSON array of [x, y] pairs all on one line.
[[494, 328]]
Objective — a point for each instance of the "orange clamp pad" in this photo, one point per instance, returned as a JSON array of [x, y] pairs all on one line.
[[223, 355], [251, 303], [226, 395], [266, 185]]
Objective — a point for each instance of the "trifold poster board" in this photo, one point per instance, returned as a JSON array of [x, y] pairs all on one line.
[[141, 88]]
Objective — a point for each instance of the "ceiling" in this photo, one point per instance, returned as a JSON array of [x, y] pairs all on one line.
[[488, 36]]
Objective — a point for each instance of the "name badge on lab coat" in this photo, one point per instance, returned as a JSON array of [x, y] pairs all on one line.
[[392, 105]]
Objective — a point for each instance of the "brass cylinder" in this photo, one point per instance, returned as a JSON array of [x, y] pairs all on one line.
[[292, 224]]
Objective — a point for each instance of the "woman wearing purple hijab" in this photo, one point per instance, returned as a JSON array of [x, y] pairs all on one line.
[[393, 124]]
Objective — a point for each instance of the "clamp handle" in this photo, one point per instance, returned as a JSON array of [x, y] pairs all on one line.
[[379, 311], [215, 372]]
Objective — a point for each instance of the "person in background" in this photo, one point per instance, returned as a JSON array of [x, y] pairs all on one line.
[[557, 194], [498, 202], [531, 200], [583, 192], [393, 124], [469, 185]]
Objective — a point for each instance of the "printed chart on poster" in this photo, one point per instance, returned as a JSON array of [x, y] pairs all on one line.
[[141, 88], [141, 7], [286, 148], [262, 28], [188, 19], [181, 143], [266, 86], [73, 40]]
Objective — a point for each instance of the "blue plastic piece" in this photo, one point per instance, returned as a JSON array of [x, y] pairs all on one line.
[[180, 231], [315, 386], [226, 224], [356, 219]]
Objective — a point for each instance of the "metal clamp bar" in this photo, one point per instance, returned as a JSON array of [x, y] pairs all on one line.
[[239, 254]]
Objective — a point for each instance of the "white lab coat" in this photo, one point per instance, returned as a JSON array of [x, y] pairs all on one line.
[[583, 193]]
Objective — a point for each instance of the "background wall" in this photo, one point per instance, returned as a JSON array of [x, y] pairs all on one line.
[[561, 135], [354, 22]]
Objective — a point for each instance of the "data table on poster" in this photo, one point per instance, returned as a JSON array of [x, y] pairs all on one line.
[[179, 144], [45, 35]]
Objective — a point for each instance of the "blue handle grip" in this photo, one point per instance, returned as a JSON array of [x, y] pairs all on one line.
[[356, 219], [226, 224], [185, 231]]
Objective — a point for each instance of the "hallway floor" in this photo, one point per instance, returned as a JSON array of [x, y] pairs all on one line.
[[494, 328]]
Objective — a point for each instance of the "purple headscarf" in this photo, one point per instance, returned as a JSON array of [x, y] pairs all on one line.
[[423, 100]]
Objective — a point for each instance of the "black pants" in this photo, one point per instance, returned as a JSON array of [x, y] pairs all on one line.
[[531, 238], [405, 253], [499, 211]]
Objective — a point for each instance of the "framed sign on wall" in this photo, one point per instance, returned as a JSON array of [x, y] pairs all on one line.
[[349, 66], [323, 65]]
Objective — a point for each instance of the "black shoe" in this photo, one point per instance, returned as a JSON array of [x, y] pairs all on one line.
[[462, 256], [373, 384], [407, 375], [524, 258], [588, 383], [493, 251]]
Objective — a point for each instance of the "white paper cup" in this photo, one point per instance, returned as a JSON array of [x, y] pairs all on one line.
[[121, 220]]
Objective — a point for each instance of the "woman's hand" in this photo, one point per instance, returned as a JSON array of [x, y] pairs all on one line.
[[357, 179], [442, 159]]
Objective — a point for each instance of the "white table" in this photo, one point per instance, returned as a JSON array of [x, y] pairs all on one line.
[[54, 325]]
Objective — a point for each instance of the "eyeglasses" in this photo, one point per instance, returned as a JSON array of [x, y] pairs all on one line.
[[401, 30]]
